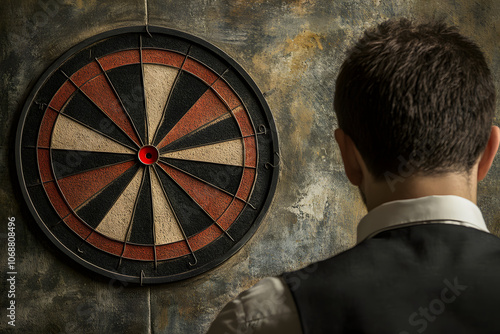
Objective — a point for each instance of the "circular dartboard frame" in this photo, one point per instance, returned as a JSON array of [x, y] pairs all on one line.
[[147, 155]]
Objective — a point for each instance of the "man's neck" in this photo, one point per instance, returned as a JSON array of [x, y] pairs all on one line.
[[458, 184]]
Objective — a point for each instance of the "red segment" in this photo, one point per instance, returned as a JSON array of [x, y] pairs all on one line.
[[200, 71], [209, 198], [206, 109], [62, 95], [102, 94], [120, 58], [45, 132], [162, 57], [231, 214], [172, 250], [244, 121], [77, 226], [56, 199], [138, 252], [204, 238], [89, 71], [148, 155], [44, 165], [78, 188], [105, 244], [246, 184], [250, 152], [227, 94]]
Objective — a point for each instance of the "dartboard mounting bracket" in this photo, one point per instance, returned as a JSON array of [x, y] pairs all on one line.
[[145, 155]]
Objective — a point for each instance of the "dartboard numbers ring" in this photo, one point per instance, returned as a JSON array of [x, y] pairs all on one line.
[[147, 156]]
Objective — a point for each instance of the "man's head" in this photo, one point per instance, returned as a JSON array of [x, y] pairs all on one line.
[[421, 92], [415, 94]]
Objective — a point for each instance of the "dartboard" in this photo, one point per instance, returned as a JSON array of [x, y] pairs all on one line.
[[147, 155]]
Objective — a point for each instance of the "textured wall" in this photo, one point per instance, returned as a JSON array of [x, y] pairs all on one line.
[[293, 50]]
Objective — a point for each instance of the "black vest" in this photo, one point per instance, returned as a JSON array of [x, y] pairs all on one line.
[[433, 278]]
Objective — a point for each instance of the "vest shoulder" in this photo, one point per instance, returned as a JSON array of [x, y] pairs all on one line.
[[413, 248], [386, 279]]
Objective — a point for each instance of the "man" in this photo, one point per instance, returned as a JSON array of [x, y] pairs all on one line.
[[415, 104]]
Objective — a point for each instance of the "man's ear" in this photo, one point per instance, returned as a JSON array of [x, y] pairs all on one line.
[[489, 153], [348, 151]]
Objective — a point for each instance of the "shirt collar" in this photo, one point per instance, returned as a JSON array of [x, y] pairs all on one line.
[[431, 209]]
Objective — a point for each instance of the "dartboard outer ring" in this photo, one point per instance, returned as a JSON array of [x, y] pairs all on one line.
[[155, 197]]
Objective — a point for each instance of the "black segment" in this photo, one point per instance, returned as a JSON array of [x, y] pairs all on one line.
[[207, 59], [30, 170], [188, 89], [240, 227], [100, 49], [191, 217], [39, 107], [173, 266], [204, 255], [96, 209], [31, 126], [85, 250], [217, 131], [68, 162], [254, 107], [222, 176], [43, 206], [142, 223], [161, 41], [85, 111], [246, 95], [128, 83], [50, 88], [134, 267]]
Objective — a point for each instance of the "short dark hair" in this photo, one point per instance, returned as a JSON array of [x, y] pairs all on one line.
[[416, 92]]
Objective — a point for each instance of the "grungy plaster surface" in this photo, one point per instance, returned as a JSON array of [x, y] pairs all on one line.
[[293, 50]]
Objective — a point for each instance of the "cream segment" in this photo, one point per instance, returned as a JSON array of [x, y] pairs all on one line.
[[166, 227], [225, 153], [158, 81], [70, 135], [116, 222]]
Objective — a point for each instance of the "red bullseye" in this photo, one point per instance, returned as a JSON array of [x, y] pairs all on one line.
[[148, 155]]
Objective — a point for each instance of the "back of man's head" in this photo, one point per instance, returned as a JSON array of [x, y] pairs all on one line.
[[416, 92]]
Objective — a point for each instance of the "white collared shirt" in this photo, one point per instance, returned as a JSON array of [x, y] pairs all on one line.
[[425, 210], [268, 306]]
